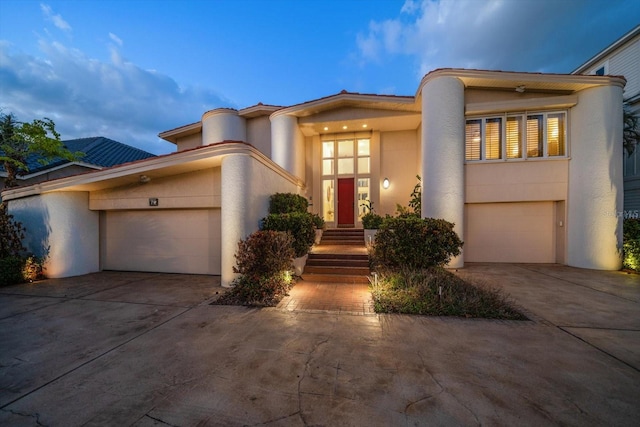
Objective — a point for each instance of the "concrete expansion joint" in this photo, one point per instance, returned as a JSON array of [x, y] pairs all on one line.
[[160, 421], [304, 375]]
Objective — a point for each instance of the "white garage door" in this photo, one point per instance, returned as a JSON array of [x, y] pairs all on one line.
[[168, 241], [510, 232]]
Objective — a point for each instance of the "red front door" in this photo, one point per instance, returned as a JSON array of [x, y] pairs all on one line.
[[345, 202]]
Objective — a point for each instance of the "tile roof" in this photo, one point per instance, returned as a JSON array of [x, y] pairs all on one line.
[[98, 151]]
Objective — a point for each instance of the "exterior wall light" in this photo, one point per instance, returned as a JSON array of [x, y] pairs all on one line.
[[386, 183]]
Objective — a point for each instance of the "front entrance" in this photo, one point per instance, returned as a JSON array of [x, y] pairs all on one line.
[[346, 202]]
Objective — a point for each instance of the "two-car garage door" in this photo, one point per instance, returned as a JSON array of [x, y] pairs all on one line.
[[511, 232], [169, 241]]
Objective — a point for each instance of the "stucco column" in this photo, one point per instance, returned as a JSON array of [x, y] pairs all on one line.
[[443, 153], [595, 199], [235, 211], [223, 124], [287, 144]]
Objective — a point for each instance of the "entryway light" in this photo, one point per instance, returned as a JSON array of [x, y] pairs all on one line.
[[326, 128], [364, 125], [385, 183], [344, 127]]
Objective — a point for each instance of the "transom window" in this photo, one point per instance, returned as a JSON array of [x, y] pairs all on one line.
[[516, 136]]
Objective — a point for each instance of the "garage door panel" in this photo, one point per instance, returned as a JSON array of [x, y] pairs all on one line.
[[172, 241], [510, 232]]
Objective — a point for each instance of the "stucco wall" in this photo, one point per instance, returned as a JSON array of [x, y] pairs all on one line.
[[223, 124], [189, 141], [200, 189], [595, 199], [516, 181], [60, 227], [287, 144], [400, 164], [248, 184], [259, 134]]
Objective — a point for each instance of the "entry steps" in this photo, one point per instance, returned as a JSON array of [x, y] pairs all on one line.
[[341, 257]]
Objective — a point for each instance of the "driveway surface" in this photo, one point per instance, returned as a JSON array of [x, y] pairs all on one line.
[[147, 349]]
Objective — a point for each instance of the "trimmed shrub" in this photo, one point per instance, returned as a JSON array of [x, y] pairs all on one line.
[[300, 225], [32, 269], [371, 221], [318, 222], [284, 203], [631, 245], [415, 243]]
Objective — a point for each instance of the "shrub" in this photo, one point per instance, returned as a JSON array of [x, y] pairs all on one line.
[[264, 253], [32, 269], [300, 225], [11, 270], [264, 260], [416, 197], [318, 222], [413, 242], [11, 235], [284, 203], [371, 221], [631, 245]]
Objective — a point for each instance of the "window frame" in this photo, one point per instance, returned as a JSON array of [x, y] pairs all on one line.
[[524, 117]]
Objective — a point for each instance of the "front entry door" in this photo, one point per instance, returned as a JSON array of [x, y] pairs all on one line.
[[345, 202]]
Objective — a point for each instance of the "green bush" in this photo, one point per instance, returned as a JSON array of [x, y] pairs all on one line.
[[318, 222], [300, 225], [631, 245], [371, 221], [11, 235], [11, 271], [415, 243], [284, 203]]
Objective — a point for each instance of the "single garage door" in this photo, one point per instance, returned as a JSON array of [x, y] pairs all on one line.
[[510, 232], [167, 241]]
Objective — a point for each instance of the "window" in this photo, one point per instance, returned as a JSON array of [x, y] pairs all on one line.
[[523, 136], [345, 156]]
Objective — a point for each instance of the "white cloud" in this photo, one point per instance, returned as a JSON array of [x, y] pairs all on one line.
[[57, 19], [524, 35], [115, 39], [87, 97]]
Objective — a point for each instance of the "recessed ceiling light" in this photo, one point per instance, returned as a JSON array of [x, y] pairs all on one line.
[[364, 125], [344, 127], [326, 128]]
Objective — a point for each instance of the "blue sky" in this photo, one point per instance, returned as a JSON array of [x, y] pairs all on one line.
[[129, 69]]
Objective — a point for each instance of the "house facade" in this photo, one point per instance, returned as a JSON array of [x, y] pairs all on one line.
[[622, 58], [528, 166]]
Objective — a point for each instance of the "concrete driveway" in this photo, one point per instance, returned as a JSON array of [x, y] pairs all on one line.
[[148, 349]]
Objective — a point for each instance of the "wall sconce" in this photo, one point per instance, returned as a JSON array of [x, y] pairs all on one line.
[[144, 179], [386, 183]]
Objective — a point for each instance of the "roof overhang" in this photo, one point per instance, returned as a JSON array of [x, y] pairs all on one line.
[[209, 156], [560, 84]]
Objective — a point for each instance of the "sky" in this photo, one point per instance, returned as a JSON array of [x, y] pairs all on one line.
[[130, 69]]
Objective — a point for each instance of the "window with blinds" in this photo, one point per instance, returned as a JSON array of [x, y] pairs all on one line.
[[516, 136], [493, 139], [473, 137]]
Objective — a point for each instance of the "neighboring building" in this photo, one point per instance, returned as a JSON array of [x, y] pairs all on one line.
[[525, 164], [99, 153], [622, 58]]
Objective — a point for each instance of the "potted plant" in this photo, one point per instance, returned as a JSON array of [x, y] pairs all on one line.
[[371, 222]]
